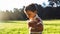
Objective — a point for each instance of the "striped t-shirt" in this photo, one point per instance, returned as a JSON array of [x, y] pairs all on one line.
[[35, 25]]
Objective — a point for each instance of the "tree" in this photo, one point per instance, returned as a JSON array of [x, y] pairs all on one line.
[[53, 2]]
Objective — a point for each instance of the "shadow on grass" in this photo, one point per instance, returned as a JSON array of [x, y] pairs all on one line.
[[7, 22], [11, 21], [53, 24]]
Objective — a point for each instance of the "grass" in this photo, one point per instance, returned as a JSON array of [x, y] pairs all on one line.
[[20, 27]]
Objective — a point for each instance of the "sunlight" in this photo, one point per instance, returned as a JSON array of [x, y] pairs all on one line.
[[10, 4]]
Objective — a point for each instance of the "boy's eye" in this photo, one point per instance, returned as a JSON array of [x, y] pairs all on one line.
[[29, 14]]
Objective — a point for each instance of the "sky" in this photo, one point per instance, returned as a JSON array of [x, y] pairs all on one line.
[[10, 4]]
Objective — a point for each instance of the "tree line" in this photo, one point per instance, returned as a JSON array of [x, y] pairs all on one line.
[[18, 14], [52, 11]]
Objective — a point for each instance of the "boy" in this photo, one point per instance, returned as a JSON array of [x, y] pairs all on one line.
[[35, 24]]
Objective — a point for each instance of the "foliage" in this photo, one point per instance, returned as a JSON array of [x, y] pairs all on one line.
[[53, 2], [18, 14]]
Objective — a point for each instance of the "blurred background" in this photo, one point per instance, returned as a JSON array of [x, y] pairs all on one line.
[[13, 19], [13, 9]]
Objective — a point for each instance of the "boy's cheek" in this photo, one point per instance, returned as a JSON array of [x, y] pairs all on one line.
[[32, 16]]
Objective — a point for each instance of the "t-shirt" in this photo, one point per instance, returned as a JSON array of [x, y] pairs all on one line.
[[35, 25]]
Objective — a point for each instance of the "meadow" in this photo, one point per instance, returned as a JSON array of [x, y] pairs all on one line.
[[20, 27]]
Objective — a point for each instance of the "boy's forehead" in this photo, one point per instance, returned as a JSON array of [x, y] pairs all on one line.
[[28, 11]]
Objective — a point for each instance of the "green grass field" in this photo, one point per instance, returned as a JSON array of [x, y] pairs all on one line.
[[20, 27]]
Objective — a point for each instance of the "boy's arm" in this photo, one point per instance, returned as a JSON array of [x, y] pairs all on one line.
[[40, 27], [31, 24], [39, 24]]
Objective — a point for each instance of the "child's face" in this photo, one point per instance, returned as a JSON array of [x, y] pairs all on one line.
[[31, 14]]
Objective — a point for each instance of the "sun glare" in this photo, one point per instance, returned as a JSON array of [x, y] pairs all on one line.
[[10, 4]]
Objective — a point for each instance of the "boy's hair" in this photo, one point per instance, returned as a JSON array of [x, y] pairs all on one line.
[[31, 7]]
